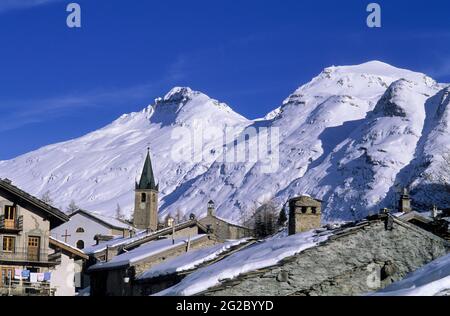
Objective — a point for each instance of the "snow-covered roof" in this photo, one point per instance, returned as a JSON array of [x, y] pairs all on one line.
[[190, 260], [115, 242], [108, 221], [430, 280], [141, 236], [143, 252], [262, 255], [68, 247]]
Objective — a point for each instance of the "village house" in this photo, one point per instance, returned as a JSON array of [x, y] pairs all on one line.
[[221, 228], [170, 272], [85, 229], [26, 263], [117, 277], [67, 275]]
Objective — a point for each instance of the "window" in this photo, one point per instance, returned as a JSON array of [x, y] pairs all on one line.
[[154, 199], [314, 210], [10, 217], [8, 244], [80, 230], [143, 198], [80, 244], [10, 212], [304, 209]]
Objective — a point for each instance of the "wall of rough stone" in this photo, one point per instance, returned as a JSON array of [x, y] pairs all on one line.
[[351, 264]]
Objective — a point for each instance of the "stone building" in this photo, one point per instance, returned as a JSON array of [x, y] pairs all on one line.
[[304, 214], [84, 229], [221, 228], [117, 277], [356, 259], [172, 271], [146, 199], [25, 224]]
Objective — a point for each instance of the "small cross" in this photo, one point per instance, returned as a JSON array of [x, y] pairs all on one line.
[[65, 236]]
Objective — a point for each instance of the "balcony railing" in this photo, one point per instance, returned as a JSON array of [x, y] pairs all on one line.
[[24, 255], [25, 288], [11, 225]]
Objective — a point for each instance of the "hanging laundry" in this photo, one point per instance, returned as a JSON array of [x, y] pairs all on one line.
[[25, 274], [18, 274], [33, 277], [47, 276], [40, 277]]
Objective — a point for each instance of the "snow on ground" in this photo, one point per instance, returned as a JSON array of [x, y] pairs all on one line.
[[143, 252], [262, 255], [190, 260], [430, 280]]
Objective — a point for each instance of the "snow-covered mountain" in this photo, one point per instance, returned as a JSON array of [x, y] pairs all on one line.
[[352, 136]]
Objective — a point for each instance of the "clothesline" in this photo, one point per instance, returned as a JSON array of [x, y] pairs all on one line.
[[20, 274]]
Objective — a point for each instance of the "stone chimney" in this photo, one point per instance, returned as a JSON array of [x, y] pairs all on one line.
[[211, 208], [305, 214], [405, 202]]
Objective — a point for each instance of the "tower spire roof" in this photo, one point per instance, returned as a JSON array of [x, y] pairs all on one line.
[[147, 181]]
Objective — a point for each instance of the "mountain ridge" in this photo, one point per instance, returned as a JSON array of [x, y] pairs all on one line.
[[345, 137]]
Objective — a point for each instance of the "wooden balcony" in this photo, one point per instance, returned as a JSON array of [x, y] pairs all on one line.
[[11, 226]]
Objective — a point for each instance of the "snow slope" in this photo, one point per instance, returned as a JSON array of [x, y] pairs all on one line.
[[352, 137], [431, 280]]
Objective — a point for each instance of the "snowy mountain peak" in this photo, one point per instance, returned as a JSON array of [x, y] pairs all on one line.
[[346, 137], [377, 68], [179, 94]]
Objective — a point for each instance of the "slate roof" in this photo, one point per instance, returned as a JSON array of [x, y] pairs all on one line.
[[24, 199]]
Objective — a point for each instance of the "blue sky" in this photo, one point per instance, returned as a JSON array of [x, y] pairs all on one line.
[[58, 83]]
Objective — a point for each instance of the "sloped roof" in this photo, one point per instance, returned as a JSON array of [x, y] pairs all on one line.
[[105, 220], [141, 238], [24, 199], [193, 259], [144, 252], [68, 248]]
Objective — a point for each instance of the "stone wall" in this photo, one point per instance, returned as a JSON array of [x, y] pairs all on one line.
[[358, 261], [224, 230]]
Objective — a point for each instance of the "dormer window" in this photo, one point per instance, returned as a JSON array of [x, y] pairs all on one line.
[[80, 230]]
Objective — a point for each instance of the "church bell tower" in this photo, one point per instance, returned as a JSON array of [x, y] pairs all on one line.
[[146, 199]]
